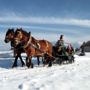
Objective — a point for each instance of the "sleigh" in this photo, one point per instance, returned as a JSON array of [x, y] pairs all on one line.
[[63, 58]]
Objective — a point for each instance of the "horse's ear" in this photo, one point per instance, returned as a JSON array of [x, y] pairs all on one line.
[[20, 28], [8, 29], [13, 29], [16, 29], [29, 33]]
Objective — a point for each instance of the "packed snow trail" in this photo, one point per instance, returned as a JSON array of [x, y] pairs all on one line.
[[74, 76]]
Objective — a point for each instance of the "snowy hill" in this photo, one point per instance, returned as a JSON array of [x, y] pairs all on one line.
[[74, 76]]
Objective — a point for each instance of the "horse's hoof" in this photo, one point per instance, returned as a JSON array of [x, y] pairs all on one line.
[[50, 64], [32, 66], [14, 66], [23, 64], [28, 65]]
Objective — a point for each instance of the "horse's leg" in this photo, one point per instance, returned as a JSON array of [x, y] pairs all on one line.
[[50, 62], [15, 62], [38, 60], [26, 59], [23, 64], [43, 60], [28, 62]]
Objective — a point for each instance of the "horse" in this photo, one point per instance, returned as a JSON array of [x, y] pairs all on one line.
[[9, 37], [33, 47]]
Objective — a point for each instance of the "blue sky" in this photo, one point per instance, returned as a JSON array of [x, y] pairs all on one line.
[[49, 18]]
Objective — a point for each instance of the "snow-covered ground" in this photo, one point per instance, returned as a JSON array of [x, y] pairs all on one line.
[[74, 76]]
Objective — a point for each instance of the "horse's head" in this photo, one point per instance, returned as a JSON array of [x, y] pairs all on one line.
[[21, 36], [9, 35]]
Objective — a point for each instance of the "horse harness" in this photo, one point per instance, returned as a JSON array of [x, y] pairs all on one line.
[[37, 46]]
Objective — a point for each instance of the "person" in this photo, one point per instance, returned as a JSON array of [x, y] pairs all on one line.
[[60, 42], [60, 45], [70, 49], [82, 47]]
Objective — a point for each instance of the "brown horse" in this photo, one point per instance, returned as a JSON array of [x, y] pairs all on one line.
[[9, 37], [33, 47]]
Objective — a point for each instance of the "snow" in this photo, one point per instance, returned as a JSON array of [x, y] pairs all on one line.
[[74, 76]]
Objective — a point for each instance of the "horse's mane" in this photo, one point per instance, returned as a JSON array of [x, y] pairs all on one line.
[[27, 34], [34, 39], [23, 31]]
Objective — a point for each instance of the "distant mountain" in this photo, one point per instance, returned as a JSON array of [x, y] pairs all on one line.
[[87, 46], [87, 43]]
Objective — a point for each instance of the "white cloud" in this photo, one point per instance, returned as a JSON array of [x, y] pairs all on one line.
[[70, 36], [45, 20]]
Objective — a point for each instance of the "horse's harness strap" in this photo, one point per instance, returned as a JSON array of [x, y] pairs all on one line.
[[37, 44], [29, 41], [34, 46], [46, 45]]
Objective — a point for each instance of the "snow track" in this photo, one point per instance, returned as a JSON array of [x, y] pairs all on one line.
[[74, 76]]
